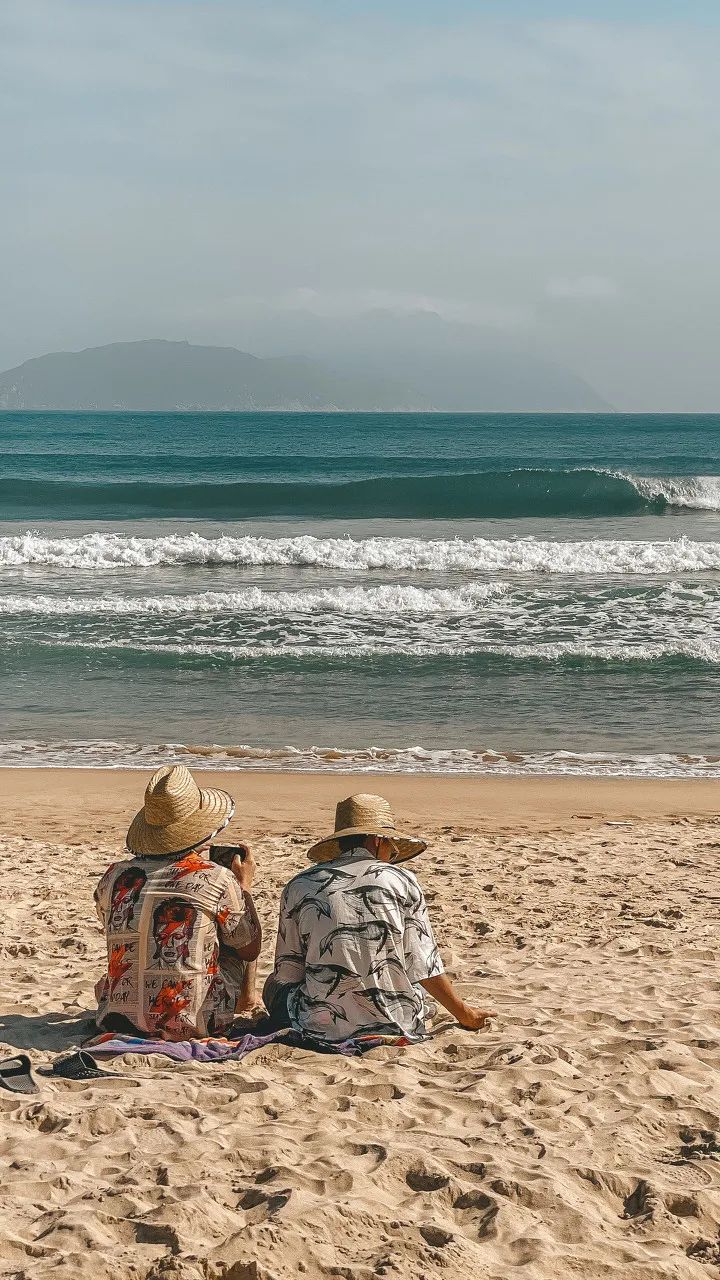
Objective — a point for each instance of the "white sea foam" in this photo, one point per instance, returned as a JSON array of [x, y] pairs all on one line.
[[701, 493], [102, 551], [382, 600], [395, 645], [372, 759], [647, 621]]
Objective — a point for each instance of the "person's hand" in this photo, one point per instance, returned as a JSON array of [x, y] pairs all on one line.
[[475, 1019], [243, 869]]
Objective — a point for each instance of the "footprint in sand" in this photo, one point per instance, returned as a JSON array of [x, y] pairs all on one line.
[[425, 1180]]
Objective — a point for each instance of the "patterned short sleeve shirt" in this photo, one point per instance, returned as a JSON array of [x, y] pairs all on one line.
[[355, 936], [172, 928]]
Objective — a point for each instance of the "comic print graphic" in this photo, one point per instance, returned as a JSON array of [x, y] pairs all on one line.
[[189, 865], [172, 927], [218, 997], [125, 896], [169, 1003], [119, 963]]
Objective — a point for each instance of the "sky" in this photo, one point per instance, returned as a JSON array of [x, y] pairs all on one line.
[[170, 168]]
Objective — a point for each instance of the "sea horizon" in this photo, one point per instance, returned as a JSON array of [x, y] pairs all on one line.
[[410, 593]]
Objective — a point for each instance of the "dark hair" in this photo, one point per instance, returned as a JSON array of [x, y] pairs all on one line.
[[347, 843]]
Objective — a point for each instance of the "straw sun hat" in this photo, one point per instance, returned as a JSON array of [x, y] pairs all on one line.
[[177, 816], [365, 815]]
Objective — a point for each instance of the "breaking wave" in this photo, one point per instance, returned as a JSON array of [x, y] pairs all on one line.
[[517, 492], [481, 657], [372, 759], [366, 601], [102, 551]]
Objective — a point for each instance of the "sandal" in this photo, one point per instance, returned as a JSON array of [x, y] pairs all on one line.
[[79, 1066], [16, 1074]]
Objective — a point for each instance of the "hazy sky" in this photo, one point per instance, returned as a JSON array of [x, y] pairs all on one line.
[[550, 168]]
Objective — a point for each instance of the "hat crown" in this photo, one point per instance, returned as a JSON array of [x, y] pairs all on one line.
[[171, 795], [364, 810]]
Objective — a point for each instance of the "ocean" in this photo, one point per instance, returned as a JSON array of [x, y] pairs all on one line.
[[389, 592]]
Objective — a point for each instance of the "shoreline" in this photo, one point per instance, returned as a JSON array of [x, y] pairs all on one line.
[[82, 803]]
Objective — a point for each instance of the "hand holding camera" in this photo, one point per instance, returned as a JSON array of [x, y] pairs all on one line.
[[238, 859]]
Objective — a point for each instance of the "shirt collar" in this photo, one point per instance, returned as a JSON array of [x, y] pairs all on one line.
[[355, 855]]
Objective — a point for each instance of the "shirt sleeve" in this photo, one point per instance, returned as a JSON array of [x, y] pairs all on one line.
[[102, 894], [289, 951], [422, 958], [235, 926]]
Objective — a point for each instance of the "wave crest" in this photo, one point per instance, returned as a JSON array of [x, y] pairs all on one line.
[[371, 759], [355, 601], [479, 494], [101, 551]]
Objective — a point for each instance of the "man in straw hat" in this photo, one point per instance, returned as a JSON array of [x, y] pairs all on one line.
[[355, 945], [182, 931]]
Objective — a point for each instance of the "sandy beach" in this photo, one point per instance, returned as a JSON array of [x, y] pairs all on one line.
[[578, 1137]]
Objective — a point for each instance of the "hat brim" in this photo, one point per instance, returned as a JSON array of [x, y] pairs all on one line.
[[214, 811], [407, 846]]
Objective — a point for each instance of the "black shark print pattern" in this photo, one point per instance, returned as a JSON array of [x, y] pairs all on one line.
[[386, 962], [380, 1029], [380, 999], [371, 895], [323, 877], [354, 944], [379, 869], [434, 962], [334, 1012], [311, 903], [378, 932], [422, 928], [329, 975]]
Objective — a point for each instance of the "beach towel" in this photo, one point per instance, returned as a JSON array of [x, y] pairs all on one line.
[[221, 1049]]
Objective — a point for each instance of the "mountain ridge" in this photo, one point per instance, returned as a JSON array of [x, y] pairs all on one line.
[[161, 375], [157, 374]]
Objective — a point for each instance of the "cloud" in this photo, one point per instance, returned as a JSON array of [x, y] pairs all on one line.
[[170, 155]]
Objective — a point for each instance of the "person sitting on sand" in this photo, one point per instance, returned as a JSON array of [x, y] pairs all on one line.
[[182, 931], [355, 945]]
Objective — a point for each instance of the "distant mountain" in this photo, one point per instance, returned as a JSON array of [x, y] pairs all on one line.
[[375, 361], [158, 375], [458, 367]]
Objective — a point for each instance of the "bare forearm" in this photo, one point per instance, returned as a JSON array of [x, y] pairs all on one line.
[[252, 950], [442, 990], [247, 995]]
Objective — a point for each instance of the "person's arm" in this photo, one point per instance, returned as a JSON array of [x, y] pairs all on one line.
[[243, 870], [442, 990], [102, 894], [424, 964], [237, 918]]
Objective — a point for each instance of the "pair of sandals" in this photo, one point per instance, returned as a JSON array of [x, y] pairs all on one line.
[[16, 1073]]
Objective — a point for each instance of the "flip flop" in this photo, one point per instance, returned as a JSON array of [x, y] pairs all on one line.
[[79, 1066], [16, 1074]]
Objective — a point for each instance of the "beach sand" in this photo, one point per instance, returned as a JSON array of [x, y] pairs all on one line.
[[576, 1138]]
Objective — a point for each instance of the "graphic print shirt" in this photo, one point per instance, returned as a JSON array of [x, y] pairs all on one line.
[[172, 926], [355, 935]]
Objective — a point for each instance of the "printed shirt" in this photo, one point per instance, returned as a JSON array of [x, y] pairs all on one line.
[[355, 935], [172, 926]]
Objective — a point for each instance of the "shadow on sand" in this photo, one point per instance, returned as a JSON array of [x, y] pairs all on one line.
[[50, 1031]]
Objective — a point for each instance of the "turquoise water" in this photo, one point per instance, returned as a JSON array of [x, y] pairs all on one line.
[[405, 591]]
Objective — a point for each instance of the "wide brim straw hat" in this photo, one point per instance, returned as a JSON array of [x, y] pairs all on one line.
[[366, 815], [177, 816]]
